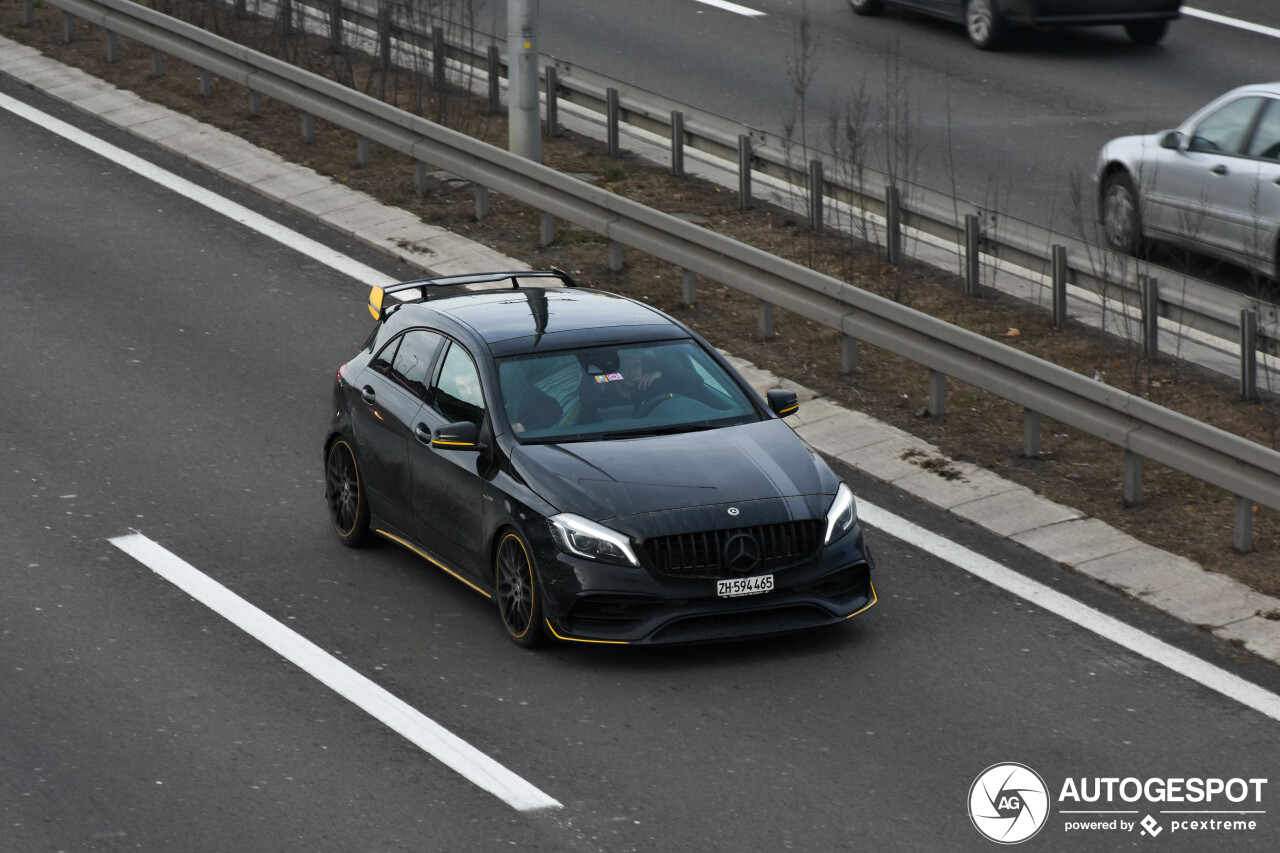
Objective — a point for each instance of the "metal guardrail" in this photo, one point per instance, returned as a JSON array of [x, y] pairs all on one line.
[[1185, 300], [1142, 428]]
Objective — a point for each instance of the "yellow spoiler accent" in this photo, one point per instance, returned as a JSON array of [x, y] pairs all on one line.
[[375, 302]]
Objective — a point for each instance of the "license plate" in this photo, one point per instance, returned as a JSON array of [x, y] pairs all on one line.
[[744, 586]]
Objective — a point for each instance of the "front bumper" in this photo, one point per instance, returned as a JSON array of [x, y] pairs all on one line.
[[593, 602]]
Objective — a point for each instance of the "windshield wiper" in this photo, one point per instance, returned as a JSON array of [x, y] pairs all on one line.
[[658, 430]]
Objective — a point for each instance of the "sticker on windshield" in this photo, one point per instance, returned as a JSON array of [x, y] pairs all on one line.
[[608, 377]]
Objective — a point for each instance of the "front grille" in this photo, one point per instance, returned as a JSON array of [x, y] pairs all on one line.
[[703, 555]]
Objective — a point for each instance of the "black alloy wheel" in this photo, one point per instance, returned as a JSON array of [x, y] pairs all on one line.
[[517, 592], [348, 509]]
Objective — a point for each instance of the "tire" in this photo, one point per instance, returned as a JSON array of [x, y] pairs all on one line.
[[986, 27], [345, 495], [1146, 32], [516, 591], [867, 7], [1121, 215]]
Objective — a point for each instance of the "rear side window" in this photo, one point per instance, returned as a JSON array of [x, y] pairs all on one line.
[[1266, 138], [413, 360], [458, 396]]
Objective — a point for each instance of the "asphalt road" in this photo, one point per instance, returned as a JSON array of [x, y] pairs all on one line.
[[168, 371], [1014, 130]]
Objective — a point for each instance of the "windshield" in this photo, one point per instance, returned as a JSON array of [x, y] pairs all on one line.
[[613, 392]]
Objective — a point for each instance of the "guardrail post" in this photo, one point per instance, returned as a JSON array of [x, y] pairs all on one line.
[[437, 57], [113, 46], [335, 26], [688, 287], [362, 152], [1030, 434], [848, 353], [1248, 354], [68, 27], [1150, 316], [1243, 538], [972, 259], [615, 256], [893, 224], [553, 101], [677, 143], [28, 13], [308, 127], [1059, 286], [482, 202], [764, 321], [937, 394], [546, 229], [286, 17], [1132, 478], [419, 177], [241, 10], [157, 63], [206, 83], [255, 103], [744, 171], [495, 80], [816, 187], [611, 111]]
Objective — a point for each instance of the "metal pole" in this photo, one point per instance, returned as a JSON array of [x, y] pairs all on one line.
[[972, 263], [495, 73], [611, 118], [1249, 354], [744, 171], [1150, 317], [816, 186], [335, 26], [525, 115], [893, 225], [677, 143], [553, 101], [1059, 286]]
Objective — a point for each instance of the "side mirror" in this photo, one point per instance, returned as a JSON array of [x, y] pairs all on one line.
[[462, 435], [782, 402], [1172, 140]]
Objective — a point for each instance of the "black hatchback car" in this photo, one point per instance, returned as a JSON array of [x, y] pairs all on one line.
[[588, 462], [988, 21]]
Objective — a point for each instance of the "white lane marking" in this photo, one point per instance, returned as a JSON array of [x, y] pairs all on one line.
[[1068, 608], [1105, 626], [731, 7], [342, 679], [1231, 22], [218, 204]]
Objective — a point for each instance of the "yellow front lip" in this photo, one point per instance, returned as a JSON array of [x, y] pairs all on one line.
[[874, 599]]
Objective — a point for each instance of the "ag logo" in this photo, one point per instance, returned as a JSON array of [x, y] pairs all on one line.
[[1008, 803]]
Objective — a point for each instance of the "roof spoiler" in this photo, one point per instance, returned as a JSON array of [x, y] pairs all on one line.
[[377, 296]]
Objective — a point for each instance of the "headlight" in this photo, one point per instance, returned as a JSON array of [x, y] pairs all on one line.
[[584, 538], [842, 515]]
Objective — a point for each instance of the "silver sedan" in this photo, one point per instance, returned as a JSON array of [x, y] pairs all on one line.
[[1211, 185]]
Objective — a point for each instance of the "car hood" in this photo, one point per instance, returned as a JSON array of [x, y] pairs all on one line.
[[760, 463]]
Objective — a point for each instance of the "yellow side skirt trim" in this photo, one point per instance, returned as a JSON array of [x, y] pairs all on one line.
[[873, 600], [436, 563], [576, 640]]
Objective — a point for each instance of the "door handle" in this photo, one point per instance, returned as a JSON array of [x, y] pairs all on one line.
[[1219, 169], [368, 394], [423, 434]]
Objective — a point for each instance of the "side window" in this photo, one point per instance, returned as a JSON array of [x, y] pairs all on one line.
[[412, 363], [1266, 138], [1224, 129], [457, 395]]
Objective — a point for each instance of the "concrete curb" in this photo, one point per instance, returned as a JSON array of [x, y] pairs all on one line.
[[1166, 581]]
